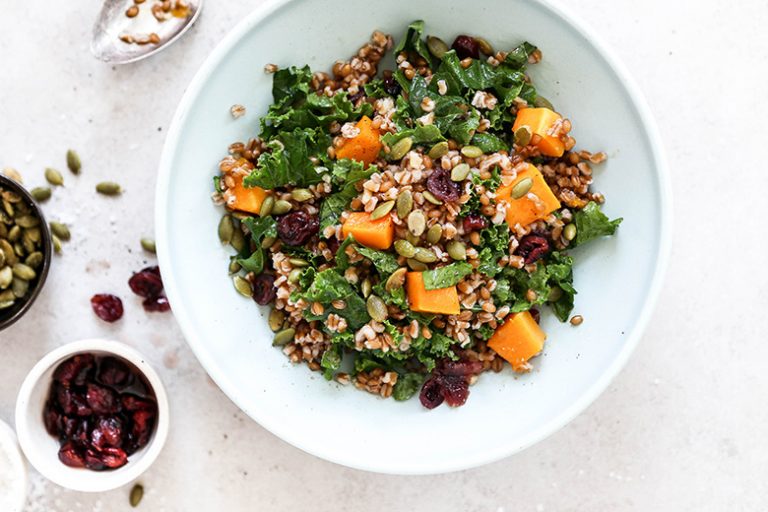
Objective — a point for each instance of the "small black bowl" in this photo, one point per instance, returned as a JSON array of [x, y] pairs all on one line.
[[10, 315]]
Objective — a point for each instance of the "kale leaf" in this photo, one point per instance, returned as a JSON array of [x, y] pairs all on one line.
[[592, 223]]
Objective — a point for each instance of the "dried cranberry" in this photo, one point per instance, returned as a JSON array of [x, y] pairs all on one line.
[[51, 419], [68, 427], [264, 290], [114, 372], [441, 185], [474, 222], [391, 86], [146, 283], [297, 228], [102, 400], [355, 97], [536, 315], [466, 46], [134, 403], [107, 307], [455, 390], [333, 245], [532, 248], [142, 427], [70, 455], [72, 402], [461, 368], [157, 304], [106, 458], [107, 432], [74, 369], [431, 393]]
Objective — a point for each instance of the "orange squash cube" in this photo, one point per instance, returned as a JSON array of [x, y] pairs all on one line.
[[518, 339], [376, 234], [525, 210], [442, 301], [247, 199], [540, 120], [365, 146]]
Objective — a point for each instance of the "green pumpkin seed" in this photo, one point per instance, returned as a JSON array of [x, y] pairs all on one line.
[[569, 232], [238, 240], [27, 221], [149, 245], [54, 177], [19, 287], [284, 337], [2, 259], [60, 230], [523, 135], [41, 193], [242, 286], [554, 294], [240, 216], [3, 229], [429, 196], [23, 271], [434, 234], [298, 262], [5, 304], [376, 308], [267, 206], [234, 266], [404, 203], [295, 275], [281, 206], [27, 245], [400, 148], [56, 244], [405, 248], [521, 188], [10, 254], [366, 287], [267, 242], [457, 250], [13, 174], [226, 229], [416, 265], [471, 151], [301, 194], [425, 255], [417, 222], [19, 249], [484, 46], [542, 102], [8, 207], [73, 161], [14, 233], [437, 47], [396, 280], [438, 150], [137, 492], [460, 172], [34, 260], [413, 239], [108, 188], [276, 319], [34, 235], [6, 277], [382, 210]]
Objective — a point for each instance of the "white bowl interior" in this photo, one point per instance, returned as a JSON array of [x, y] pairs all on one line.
[[616, 278], [41, 449]]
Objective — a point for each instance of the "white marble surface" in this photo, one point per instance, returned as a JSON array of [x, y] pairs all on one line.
[[681, 428]]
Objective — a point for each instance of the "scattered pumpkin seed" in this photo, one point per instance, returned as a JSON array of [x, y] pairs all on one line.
[[6, 277], [60, 230], [456, 250], [554, 294], [577, 320], [295, 275], [276, 319], [56, 244], [226, 229], [438, 150], [301, 194], [54, 177], [284, 337], [267, 206], [34, 260], [404, 203], [382, 210], [13, 174], [569, 232], [366, 287], [281, 206], [376, 308], [416, 265], [267, 242], [238, 240], [298, 262], [521, 188], [23, 271], [471, 151], [434, 234], [396, 280], [460, 172], [41, 194], [242, 286], [542, 102], [523, 135], [19, 287], [484, 46], [234, 267], [437, 47], [27, 221], [417, 222], [429, 196], [413, 239], [400, 148], [108, 188], [73, 161], [425, 255], [405, 248], [149, 245]]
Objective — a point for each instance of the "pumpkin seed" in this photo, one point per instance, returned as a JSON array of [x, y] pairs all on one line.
[[149, 245], [19, 287], [281, 206], [413, 239], [460, 172], [456, 250], [382, 210], [416, 265], [34, 260], [425, 255], [554, 294], [376, 308], [23, 271], [276, 319], [56, 244], [73, 161], [3, 229], [298, 262], [366, 287], [404, 203], [27, 244], [27, 221], [10, 254], [41, 193], [54, 177], [396, 280], [301, 194], [437, 47], [295, 275], [267, 206], [405, 248], [523, 135], [267, 242], [2, 259], [471, 151], [521, 188], [438, 150], [434, 234], [60, 230], [429, 196], [33, 234], [108, 188], [569, 232], [484, 46], [234, 267], [226, 229], [400, 148], [6, 277], [284, 337], [5, 304], [242, 286], [14, 234], [13, 174], [417, 222], [238, 240], [18, 248], [542, 102], [240, 216]]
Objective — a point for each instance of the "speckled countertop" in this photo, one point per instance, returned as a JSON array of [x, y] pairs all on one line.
[[682, 426]]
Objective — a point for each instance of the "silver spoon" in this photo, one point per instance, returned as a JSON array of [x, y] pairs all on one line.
[[120, 39]]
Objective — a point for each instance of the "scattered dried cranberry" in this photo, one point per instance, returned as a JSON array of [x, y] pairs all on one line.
[[431, 393], [102, 400], [333, 245], [461, 368], [297, 228], [474, 222], [146, 283], [264, 290], [391, 86], [532, 248], [71, 456], [113, 372], [466, 46], [74, 370], [107, 307], [156, 304], [455, 390], [359, 94], [441, 185], [536, 315]]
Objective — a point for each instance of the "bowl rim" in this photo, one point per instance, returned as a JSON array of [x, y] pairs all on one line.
[[638, 103], [91, 481], [47, 249]]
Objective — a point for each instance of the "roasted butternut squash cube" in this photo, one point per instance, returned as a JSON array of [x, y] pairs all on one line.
[[247, 199], [376, 234], [365, 146], [535, 205], [540, 120], [442, 301], [518, 339]]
